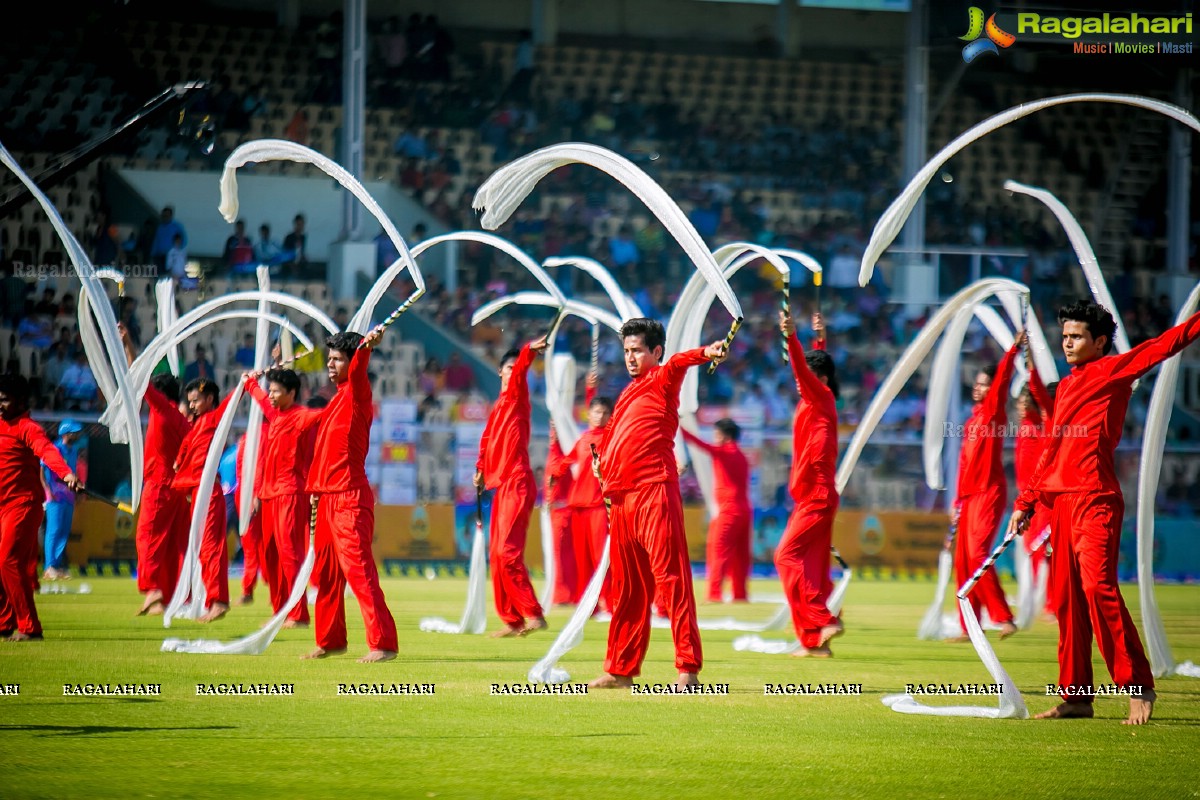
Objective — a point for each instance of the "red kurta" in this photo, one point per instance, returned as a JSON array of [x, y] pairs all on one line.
[[346, 516], [504, 462], [558, 489], [162, 521], [649, 548], [802, 556], [1031, 440], [728, 546], [23, 444], [214, 546], [982, 493], [1076, 479]]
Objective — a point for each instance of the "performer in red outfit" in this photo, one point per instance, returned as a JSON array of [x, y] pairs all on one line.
[[1076, 480], [281, 502], [23, 444], [503, 465], [1036, 407], [202, 396], [345, 505], [638, 474], [162, 520], [983, 490], [729, 531], [252, 538], [802, 556], [557, 492], [589, 519]]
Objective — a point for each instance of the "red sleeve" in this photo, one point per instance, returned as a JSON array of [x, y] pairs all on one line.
[[1027, 498], [518, 383], [360, 383], [37, 441], [483, 442], [1041, 395], [255, 390], [677, 366], [589, 394], [220, 409], [807, 382], [556, 459], [997, 394], [307, 418], [1141, 359], [159, 402], [692, 438]]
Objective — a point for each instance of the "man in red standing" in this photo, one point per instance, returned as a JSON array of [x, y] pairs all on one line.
[[802, 556], [729, 532], [503, 465], [281, 503], [202, 399], [559, 483], [23, 444], [1077, 481], [589, 519], [253, 561], [161, 537], [983, 490], [639, 476], [345, 507]]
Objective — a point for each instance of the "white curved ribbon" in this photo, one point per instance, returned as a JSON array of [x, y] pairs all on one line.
[[1154, 438], [93, 346], [262, 353], [547, 670], [282, 150], [500, 195], [111, 340], [624, 304], [889, 225], [164, 293], [474, 616], [910, 360]]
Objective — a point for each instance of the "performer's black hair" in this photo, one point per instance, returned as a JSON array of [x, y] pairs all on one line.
[[821, 363], [204, 386], [990, 371], [168, 384], [286, 378], [651, 331], [509, 355], [345, 342], [730, 429], [1097, 318], [603, 401], [316, 401], [15, 386]]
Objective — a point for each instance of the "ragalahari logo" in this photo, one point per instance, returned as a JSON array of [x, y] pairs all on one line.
[[976, 28]]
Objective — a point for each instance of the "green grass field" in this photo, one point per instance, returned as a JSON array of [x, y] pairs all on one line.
[[464, 743]]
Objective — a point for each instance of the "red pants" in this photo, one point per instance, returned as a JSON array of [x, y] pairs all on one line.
[[511, 507], [649, 552], [214, 549], [978, 521], [728, 552], [342, 544], [565, 579], [19, 524], [1086, 533], [802, 560], [589, 528], [1037, 558], [252, 561], [284, 545], [162, 530]]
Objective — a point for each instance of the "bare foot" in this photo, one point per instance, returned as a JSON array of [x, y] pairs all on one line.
[[1007, 629], [156, 609], [958, 639], [374, 656], [831, 632], [1068, 711], [18, 636], [535, 624], [215, 612], [1140, 708], [294, 623], [152, 598], [245, 600], [608, 681], [49, 575], [507, 632], [321, 652], [687, 679], [813, 652]]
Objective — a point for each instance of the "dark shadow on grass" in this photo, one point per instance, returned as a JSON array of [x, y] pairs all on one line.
[[93, 730]]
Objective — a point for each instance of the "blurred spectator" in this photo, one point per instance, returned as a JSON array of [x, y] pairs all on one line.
[[244, 356], [200, 368], [177, 259], [164, 238], [266, 249], [77, 388], [297, 128], [459, 377], [295, 244], [239, 250]]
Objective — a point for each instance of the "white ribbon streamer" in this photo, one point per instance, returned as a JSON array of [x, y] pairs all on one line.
[[262, 348], [474, 616], [547, 670]]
